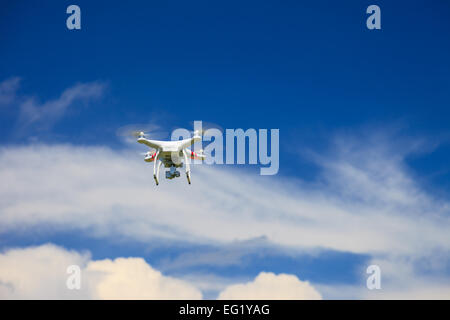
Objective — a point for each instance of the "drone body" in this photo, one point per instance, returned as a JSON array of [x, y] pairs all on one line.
[[171, 154]]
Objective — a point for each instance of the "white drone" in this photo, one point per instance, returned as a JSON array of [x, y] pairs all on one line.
[[172, 154]]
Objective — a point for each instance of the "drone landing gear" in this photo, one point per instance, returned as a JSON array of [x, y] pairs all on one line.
[[188, 167], [156, 168]]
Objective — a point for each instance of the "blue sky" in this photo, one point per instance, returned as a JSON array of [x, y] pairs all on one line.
[[343, 96]]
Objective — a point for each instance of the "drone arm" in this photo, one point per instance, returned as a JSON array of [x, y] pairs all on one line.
[[195, 155], [150, 143], [189, 142]]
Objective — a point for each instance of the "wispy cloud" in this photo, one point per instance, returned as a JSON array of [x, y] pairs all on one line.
[[45, 115], [8, 90], [366, 201], [226, 205]]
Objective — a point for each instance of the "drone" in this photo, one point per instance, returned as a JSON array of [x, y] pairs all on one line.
[[171, 154]]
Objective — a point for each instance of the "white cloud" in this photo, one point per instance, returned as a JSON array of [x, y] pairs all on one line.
[[40, 273], [133, 278], [267, 286]]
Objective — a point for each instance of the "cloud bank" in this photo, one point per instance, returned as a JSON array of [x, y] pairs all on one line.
[[41, 273]]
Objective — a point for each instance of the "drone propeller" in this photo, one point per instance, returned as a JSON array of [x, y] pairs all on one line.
[[205, 130], [138, 134], [130, 133]]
